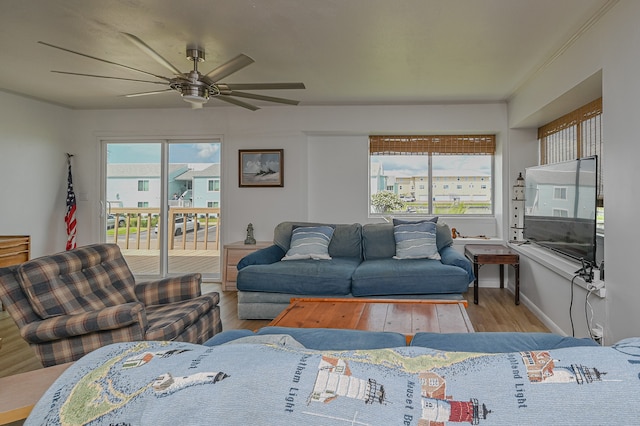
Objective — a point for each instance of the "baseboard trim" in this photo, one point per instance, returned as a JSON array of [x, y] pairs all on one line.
[[552, 326]]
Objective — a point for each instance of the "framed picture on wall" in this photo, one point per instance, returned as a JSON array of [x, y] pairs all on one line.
[[260, 167]]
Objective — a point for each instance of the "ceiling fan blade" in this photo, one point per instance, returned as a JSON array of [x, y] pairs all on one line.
[[231, 100], [106, 76], [155, 92], [261, 86], [149, 51], [262, 98], [104, 60], [228, 68]]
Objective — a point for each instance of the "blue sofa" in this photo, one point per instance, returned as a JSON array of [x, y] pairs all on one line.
[[361, 265], [325, 339]]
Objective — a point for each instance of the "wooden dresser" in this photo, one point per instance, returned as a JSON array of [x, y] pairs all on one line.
[[14, 249], [233, 253]]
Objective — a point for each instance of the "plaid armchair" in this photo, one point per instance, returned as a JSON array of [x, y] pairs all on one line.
[[68, 304]]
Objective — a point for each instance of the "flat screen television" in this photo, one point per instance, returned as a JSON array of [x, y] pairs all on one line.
[[560, 207]]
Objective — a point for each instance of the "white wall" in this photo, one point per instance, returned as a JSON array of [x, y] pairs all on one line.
[[336, 181], [325, 156], [609, 47], [621, 105], [34, 140]]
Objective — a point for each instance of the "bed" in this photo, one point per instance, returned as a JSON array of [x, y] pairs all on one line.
[[274, 379]]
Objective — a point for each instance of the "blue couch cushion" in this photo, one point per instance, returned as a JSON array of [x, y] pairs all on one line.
[[339, 339], [321, 338], [378, 240], [346, 240], [228, 336], [302, 277], [407, 276], [496, 342]]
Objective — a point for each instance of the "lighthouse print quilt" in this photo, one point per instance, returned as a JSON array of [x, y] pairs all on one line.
[[172, 383]]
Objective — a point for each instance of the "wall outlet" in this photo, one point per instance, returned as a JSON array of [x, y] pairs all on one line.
[[597, 333], [597, 287]]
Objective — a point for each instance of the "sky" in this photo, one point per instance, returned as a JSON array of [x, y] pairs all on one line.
[[119, 153]]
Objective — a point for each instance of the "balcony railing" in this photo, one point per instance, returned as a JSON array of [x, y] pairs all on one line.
[[189, 228]]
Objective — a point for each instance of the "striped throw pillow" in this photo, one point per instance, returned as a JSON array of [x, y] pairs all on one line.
[[416, 241], [310, 242]]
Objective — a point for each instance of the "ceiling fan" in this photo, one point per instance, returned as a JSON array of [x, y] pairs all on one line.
[[194, 87]]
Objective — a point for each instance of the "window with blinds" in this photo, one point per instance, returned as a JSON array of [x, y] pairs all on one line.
[[431, 174], [576, 135]]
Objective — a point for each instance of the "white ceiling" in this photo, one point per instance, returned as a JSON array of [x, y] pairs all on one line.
[[346, 52]]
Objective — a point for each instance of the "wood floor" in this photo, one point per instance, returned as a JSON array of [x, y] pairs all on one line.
[[496, 312]]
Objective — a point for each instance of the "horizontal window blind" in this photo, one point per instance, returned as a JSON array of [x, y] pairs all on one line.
[[575, 135], [432, 145]]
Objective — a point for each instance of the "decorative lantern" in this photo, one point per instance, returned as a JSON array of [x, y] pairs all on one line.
[[517, 210]]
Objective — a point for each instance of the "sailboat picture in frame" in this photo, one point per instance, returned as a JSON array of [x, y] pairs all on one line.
[[261, 167]]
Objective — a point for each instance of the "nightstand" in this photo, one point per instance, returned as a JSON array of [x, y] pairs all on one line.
[[233, 253]]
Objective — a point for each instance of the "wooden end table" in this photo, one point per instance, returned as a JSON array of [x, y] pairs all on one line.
[[233, 253], [405, 316], [493, 254]]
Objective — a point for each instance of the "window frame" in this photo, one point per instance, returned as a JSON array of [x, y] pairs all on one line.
[[213, 185], [431, 146], [143, 185], [561, 191]]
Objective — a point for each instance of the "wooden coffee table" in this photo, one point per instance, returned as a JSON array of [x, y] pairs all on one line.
[[402, 316]]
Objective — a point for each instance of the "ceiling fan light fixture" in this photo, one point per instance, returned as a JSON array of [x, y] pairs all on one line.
[[194, 94]]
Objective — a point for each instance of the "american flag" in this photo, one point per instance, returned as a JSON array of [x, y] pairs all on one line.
[[70, 216]]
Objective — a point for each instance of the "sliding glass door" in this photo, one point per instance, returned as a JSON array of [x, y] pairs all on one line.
[[193, 193], [162, 205]]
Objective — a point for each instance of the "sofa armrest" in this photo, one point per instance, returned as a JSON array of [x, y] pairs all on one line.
[[65, 326], [169, 290], [265, 256], [450, 256]]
